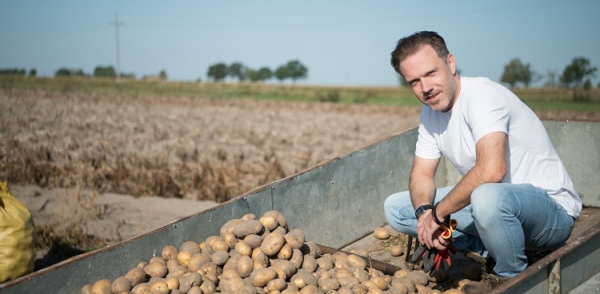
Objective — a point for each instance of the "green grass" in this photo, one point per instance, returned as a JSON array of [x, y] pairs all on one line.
[[537, 99]]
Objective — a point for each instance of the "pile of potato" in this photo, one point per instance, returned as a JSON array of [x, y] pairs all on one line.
[[258, 256]]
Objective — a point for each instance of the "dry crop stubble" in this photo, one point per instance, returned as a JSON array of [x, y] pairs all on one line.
[[178, 147]]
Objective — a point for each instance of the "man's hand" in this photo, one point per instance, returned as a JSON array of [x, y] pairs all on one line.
[[429, 233]]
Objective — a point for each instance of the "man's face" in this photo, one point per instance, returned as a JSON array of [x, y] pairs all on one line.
[[431, 79]]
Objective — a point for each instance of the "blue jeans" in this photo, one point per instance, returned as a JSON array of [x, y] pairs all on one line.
[[503, 220]]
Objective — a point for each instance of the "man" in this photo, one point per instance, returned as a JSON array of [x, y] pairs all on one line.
[[515, 193]]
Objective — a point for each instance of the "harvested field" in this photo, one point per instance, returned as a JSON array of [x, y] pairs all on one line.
[[199, 149]]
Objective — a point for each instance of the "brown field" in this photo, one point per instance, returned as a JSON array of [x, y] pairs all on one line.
[[178, 147]]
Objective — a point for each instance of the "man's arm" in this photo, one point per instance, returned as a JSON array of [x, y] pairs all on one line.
[[490, 167], [421, 184]]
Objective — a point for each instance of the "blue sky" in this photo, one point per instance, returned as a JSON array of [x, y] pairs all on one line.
[[341, 42]]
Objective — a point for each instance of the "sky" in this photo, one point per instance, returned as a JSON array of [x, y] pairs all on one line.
[[346, 43]]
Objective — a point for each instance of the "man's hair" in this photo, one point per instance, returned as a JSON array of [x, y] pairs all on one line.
[[411, 44]]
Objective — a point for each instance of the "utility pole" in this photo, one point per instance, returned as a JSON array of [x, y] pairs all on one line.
[[116, 24]]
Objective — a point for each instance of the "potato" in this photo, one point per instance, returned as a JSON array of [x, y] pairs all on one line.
[[183, 257], [159, 288], [287, 266], [297, 258], [346, 290], [401, 273], [210, 268], [136, 276], [187, 281], [253, 240], [244, 266], [269, 222], [232, 262], [121, 284], [453, 291], [356, 261], [278, 216], [380, 282], [205, 248], [195, 290], [272, 244], [190, 246], [285, 252], [422, 289], [220, 257], [310, 289], [279, 230], [381, 233], [175, 269], [207, 287], [308, 278], [230, 281], [142, 264], [348, 282], [276, 285], [309, 264], [158, 259], [172, 283], [219, 245], [295, 238], [329, 284], [228, 226], [360, 289], [169, 252], [396, 250], [399, 289], [154, 280], [248, 289], [197, 261], [243, 248], [325, 263], [249, 227], [156, 269], [86, 289], [310, 248], [142, 288], [230, 239], [360, 251], [419, 277], [260, 260], [101, 287], [248, 216], [262, 276]]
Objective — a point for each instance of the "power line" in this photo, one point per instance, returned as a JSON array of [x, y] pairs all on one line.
[[116, 23]]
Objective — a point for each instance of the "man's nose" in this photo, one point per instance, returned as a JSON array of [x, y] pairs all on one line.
[[425, 85]]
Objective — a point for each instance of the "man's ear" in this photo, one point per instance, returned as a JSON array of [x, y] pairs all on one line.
[[452, 63]]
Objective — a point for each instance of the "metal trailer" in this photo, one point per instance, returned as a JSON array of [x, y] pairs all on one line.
[[341, 201]]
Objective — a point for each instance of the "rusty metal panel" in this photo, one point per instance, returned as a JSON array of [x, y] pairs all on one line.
[[580, 264], [578, 144], [342, 201]]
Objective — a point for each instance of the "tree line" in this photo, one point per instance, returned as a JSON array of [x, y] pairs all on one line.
[[577, 75], [293, 70]]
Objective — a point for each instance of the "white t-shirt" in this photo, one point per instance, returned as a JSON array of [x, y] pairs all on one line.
[[484, 107]]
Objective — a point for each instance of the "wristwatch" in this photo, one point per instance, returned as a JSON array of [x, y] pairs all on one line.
[[421, 209]]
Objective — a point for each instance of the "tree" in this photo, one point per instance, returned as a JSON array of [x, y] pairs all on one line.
[[265, 73], [281, 73], [163, 74], [517, 72], [105, 71], [33, 72], [296, 70], [575, 73], [63, 72], [550, 79], [217, 72], [251, 74], [237, 70]]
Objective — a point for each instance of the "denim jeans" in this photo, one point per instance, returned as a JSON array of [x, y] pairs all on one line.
[[503, 220]]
